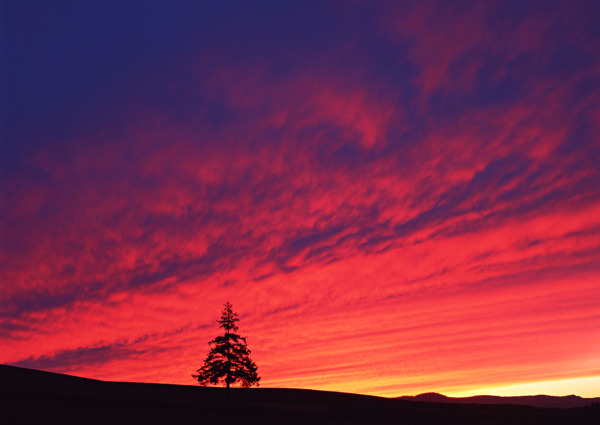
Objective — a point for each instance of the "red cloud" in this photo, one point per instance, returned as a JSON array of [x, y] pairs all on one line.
[[373, 233]]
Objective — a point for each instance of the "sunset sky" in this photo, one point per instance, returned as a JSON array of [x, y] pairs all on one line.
[[396, 197]]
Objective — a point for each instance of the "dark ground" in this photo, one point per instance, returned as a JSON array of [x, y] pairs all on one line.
[[35, 397]]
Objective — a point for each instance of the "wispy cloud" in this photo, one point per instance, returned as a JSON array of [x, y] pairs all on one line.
[[396, 197]]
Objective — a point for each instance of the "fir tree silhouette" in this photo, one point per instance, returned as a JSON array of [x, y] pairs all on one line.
[[229, 358]]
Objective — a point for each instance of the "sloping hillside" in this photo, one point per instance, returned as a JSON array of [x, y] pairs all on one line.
[[30, 396]]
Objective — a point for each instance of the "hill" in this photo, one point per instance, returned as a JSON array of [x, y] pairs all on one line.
[[31, 396], [545, 401]]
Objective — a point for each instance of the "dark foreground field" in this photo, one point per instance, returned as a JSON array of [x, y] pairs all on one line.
[[29, 396]]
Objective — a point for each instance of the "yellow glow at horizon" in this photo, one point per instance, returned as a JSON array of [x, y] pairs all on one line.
[[583, 387]]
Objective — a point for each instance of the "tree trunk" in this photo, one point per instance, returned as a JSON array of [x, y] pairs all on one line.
[[228, 376], [227, 397]]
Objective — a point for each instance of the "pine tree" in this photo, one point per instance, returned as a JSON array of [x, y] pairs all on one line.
[[229, 358]]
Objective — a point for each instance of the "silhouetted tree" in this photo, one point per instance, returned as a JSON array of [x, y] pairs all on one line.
[[229, 358]]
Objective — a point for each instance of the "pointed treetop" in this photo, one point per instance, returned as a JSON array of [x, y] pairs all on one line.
[[228, 318]]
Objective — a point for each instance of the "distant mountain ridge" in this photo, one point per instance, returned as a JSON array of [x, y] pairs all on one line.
[[545, 401]]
